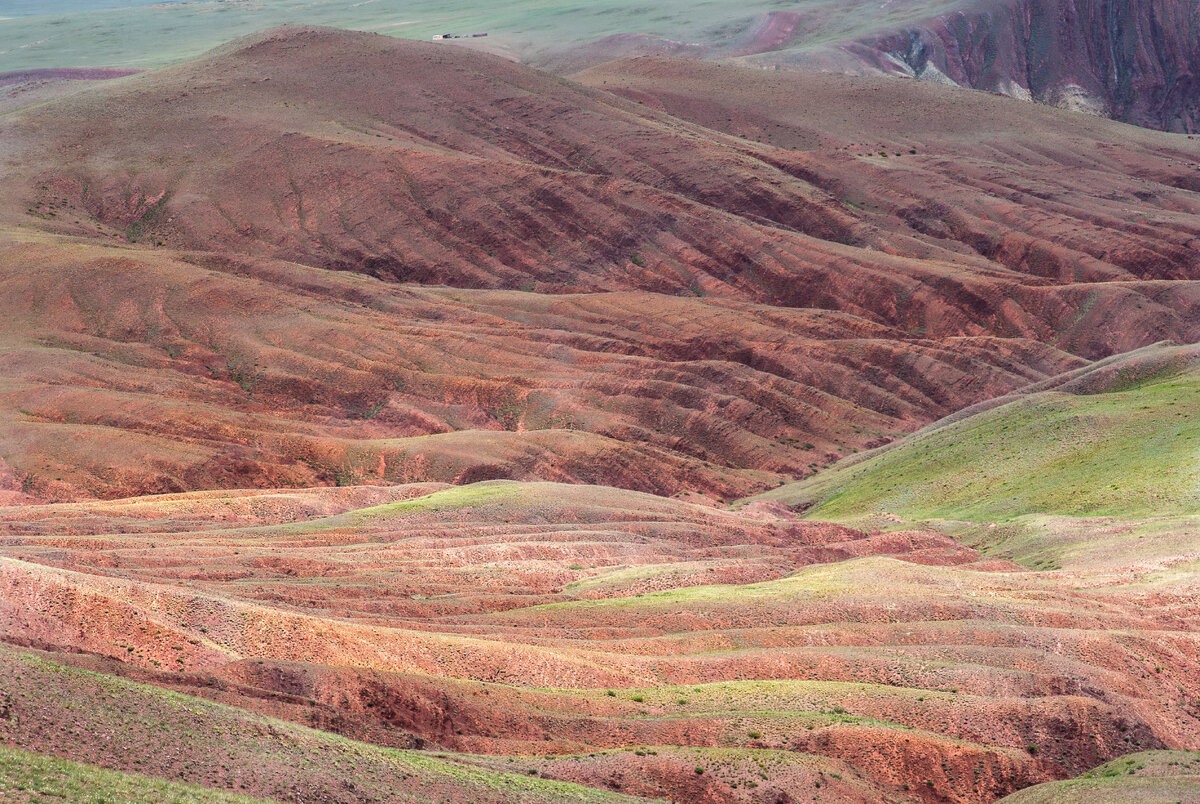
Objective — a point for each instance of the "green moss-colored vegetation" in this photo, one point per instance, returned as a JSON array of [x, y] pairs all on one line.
[[770, 695], [1130, 451], [36, 778], [91, 715], [615, 579], [735, 767], [1162, 763], [491, 492], [1162, 777], [1050, 542]]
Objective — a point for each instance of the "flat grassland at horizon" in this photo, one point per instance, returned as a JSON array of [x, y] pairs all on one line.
[[139, 34]]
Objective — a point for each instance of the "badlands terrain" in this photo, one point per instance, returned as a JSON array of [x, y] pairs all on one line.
[[387, 420]]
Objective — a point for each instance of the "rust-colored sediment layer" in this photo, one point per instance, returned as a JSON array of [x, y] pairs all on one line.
[[538, 619]]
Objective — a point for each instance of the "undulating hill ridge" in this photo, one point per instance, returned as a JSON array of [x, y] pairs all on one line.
[[1133, 62], [371, 415], [879, 292], [216, 372], [583, 632]]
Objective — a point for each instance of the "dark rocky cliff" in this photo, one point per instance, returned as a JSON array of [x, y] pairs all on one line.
[[1132, 60]]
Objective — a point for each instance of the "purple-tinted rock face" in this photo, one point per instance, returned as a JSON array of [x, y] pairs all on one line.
[[1132, 60]]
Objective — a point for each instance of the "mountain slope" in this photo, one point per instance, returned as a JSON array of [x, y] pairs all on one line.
[[880, 293], [36, 777], [603, 637], [503, 177], [1133, 62], [1119, 440]]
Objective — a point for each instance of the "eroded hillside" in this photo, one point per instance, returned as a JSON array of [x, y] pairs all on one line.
[[372, 412], [769, 284]]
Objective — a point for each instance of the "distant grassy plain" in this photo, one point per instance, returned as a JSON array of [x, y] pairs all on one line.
[[92, 33]]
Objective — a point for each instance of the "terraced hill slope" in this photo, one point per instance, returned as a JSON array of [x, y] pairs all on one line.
[[369, 412], [595, 636]]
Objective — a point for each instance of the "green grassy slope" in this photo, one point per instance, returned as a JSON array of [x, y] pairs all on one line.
[[125, 725], [148, 37], [25, 776], [1168, 777], [1130, 448]]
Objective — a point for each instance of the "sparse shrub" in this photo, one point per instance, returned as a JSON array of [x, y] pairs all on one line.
[[699, 770], [753, 735], [638, 698]]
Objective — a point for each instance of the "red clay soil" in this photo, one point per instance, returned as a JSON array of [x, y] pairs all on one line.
[[353, 263], [891, 660], [774, 305], [334, 378]]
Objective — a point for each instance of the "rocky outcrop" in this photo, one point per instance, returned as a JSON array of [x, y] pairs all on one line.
[[1135, 62]]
